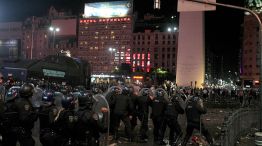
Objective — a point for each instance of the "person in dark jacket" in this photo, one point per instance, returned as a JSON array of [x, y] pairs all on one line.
[[173, 109], [48, 112], [26, 115], [194, 110], [122, 109], [158, 104], [143, 111], [9, 119]]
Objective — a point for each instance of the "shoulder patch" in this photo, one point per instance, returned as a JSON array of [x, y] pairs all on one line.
[[55, 111], [26, 107]]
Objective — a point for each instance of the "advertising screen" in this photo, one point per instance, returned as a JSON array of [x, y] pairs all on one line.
[[108, 9], [9, 49]]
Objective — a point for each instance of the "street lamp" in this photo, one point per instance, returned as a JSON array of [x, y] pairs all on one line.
[[111, 50], [172, 29], [54, 30]]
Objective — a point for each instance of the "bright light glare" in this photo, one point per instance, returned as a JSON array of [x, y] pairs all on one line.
[[51, 28], [169, 29], [57, 29], [175, 28]]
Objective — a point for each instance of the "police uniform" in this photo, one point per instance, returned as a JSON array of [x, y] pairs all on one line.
[[172, 111], [158, 106], [27, 116], [48, 134], [194, 110]]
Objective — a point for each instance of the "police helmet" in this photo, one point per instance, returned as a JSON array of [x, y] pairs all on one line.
[[160, 93], [95, 90], [48, 96], [86, 99], [125, 91], [145, 92], [69, 101], [12, 93], [26, 90], [116, 90]]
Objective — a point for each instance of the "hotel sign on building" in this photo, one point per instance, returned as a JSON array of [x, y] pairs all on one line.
[[104, 35]]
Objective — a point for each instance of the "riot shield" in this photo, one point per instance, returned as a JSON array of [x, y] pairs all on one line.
[[58, 99], [12, 93], [109, 95], [2, 92], [165, 96], [37, 97], [101, 108], [112, 89]]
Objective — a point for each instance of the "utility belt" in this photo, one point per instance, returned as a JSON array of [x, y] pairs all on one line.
[[22, 132], [47, 130]]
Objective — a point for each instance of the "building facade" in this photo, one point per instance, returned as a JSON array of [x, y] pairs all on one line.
[[39, 41], [104, 38], [154, 49], [11, 40], [249, 71]]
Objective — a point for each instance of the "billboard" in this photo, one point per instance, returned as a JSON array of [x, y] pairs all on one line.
[[10, 49], [108, 9]]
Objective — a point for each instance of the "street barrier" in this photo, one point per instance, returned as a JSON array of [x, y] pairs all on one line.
[[237, 124]]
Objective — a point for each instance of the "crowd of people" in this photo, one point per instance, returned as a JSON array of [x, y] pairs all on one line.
[[68, 115]]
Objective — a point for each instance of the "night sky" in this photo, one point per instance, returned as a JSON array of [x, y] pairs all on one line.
[[223, 26]]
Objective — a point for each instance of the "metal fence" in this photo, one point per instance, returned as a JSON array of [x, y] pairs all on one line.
[[237, 124]]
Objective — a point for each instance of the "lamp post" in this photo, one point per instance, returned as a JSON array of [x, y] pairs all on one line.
[[260, 43], [111, 50], [54, 30]]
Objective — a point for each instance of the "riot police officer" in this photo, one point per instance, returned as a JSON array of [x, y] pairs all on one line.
[[142, 114], [88, 125], [194, 110], [48, 112], [122, 110], [27, 115], [66, 119], [173, 109], [9, 118], [110, 97], [158, 104]]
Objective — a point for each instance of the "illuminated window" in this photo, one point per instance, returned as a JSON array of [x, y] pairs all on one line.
[[148, 63], [138, 56], [157, 4], [143, 56], [45, 36], [134, 56]]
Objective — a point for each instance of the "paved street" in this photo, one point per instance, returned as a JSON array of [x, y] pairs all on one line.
[[213, 119]]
